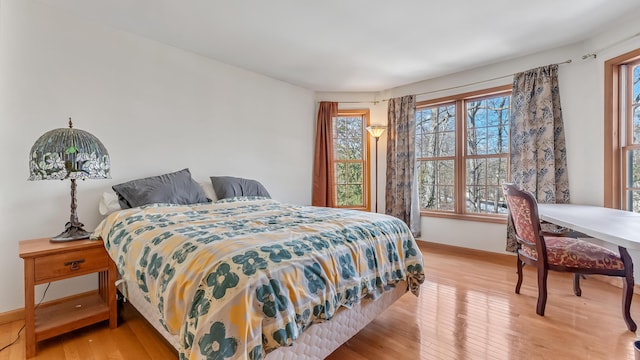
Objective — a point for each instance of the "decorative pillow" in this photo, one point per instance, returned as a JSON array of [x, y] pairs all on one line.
[[227, 187], [173, 188]]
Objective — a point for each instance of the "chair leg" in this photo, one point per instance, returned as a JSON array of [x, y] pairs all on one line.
[[627, 289], [576, 284], [519, 265], [542, 290]]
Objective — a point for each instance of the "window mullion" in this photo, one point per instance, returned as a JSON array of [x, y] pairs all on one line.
[[459, 164]]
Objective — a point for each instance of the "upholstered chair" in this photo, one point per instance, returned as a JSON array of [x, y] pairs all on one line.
[[561, 253]]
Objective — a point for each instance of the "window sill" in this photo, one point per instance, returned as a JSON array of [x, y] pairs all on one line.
[[495, 219]]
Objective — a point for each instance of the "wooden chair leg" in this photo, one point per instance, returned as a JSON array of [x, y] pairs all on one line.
[[542, 290], [519, 265], [627, 289], [576, 284]]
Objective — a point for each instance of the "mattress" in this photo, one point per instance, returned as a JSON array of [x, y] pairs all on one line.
[[317, 342]]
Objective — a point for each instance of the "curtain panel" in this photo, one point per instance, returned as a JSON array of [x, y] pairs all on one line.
[[537, 151], [323, 189], [401, 189]]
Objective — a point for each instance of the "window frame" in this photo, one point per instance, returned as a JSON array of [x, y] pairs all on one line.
[[461, 157], [614, 180], [366, 169]]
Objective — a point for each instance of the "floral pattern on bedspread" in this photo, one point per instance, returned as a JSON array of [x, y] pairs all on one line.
[[240, 277]]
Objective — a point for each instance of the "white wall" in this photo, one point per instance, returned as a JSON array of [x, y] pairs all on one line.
[[155, 108]]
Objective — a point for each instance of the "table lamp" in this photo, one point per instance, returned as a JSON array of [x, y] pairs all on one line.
[[69, 153]]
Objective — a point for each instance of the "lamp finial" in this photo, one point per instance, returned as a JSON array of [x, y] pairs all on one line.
[[70, 123]]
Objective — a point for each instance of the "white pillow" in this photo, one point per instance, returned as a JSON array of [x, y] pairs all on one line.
[[108, 203], [207, 187], [109, 200]]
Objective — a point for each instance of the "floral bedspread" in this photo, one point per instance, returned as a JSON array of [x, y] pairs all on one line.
[[239, 277]]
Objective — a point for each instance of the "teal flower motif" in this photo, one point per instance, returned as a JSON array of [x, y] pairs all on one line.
[[286, 336], [116, 227], [167, 275], [346, 266], [200, 305], [269, 295], [298, 247], [221, 280], [303, 320], [372, 260], [144, 259], [134, 219], [276, 253], [323, 311], [127, 242], [251, 261], [154, 266], [349, 236], [116, 239], [142, 281], [256, 353], [181, 254], [394, 276], [392, 252], [351, 295], [214, 344], [209, 239], [160, 238], [336, 238], [415, 269], [187, 340], [314, 277], [143, 229], [317, 242], [409, 250]]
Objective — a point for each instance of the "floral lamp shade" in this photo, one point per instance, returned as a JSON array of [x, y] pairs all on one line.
[[69, 153]]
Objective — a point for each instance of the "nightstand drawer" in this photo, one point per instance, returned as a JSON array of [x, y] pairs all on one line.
[[70, 263]]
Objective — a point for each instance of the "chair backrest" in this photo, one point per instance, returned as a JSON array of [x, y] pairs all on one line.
[[523, 208]]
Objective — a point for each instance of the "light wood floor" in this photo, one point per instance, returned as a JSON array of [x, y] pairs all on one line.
[[467, 309]]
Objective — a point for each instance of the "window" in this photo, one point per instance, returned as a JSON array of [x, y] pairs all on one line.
[[351, 159], [462, 151], [622, 116]]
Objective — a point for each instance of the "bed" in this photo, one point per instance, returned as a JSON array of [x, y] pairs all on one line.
[[253, 278]]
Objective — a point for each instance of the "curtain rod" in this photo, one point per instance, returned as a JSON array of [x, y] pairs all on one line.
[[595, 53], [439, 90]]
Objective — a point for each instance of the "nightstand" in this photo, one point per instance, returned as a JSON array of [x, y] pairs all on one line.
[[46, 261]]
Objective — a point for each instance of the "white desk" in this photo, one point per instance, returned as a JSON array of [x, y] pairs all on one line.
[[617, 227]]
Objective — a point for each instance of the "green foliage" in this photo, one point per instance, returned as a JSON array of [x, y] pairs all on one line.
[[349, 149]]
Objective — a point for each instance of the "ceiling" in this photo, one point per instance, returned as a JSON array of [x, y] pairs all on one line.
[[357, 45]]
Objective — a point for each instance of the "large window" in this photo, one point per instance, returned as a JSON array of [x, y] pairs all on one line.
[[622, 132], [351, 159], [462, 150]]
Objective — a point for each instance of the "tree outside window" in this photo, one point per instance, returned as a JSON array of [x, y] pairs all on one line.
[[351, 163], [462, 151], [630, 115]]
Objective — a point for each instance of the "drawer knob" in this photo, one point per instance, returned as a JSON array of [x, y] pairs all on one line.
[[75, 264]]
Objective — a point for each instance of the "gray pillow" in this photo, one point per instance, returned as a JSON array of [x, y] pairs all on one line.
[[173, 188], [228, 187]]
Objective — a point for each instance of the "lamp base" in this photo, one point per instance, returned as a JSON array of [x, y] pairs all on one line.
[[72, 232]]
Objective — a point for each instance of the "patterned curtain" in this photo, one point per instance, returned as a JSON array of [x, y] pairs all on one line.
[[538, 156], [402, 190], [323, 190]]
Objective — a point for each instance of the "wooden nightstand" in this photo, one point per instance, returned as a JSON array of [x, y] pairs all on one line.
[[46, 261]]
